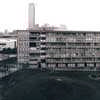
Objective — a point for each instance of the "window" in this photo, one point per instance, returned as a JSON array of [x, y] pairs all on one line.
[[43, 38], [43, 48], [32, 44], [33, 38]]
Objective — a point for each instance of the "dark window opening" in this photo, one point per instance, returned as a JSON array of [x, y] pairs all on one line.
[[43, 48], [32, 44], [43, 43], [42, 60], [43, 38], [43, 53], [33, 38], [34, 54]]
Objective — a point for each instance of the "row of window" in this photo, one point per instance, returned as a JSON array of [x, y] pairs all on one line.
[[72, 59]]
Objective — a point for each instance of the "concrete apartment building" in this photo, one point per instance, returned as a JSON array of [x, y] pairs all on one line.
[[59, 49]]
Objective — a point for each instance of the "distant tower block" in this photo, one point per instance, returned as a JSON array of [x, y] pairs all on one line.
[[31, 16]]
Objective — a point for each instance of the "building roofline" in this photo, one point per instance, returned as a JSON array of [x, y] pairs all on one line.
[[59, 31]]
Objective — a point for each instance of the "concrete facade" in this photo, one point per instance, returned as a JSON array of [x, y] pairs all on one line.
[[60, 49]]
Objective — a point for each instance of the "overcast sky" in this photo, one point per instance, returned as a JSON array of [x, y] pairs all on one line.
[[75, 14]]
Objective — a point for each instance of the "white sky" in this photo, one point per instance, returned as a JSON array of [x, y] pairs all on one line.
[[75, 14]]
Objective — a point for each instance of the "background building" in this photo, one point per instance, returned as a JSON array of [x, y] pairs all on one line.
[[8, 43], [31, 15]]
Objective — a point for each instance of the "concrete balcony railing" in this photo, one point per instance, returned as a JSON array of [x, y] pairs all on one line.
[[42, 51], [34, 50], [42, 35], [42, 45], [43, 56], [33, 62]]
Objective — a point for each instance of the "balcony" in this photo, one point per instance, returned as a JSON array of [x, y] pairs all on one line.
[[34, 50], [33, 62], [43, 40], [42, 35]]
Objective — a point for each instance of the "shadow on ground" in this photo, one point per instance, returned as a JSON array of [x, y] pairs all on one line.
[[36, 85]]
